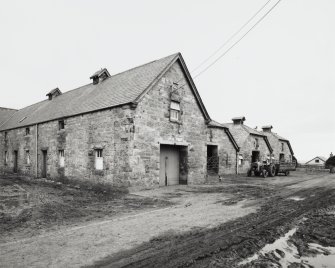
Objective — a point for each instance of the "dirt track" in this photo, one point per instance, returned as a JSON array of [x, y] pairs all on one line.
[[209, 226]]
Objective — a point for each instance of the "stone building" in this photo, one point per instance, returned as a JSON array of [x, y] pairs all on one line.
[[143, 127], [253, 144], [319, 161], [282, 149]]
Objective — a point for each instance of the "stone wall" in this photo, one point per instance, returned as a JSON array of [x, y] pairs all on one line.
[[247, 148], [153, 127], [110, 130], [276, 145]]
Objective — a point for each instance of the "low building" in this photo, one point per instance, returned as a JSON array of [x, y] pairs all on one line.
[[253, 144], [317, 161], [144, 127], [282, 149]]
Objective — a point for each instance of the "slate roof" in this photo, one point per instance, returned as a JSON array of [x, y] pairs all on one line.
[[123, 88], [280, 138], [216, 124], [237, 129], [5, 114]]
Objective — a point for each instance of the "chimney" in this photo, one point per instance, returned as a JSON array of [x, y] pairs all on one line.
[[54, 93], [238, 120], [331, 155], [267, 128], [100, 76]]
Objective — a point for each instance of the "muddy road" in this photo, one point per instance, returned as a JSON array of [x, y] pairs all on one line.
[[285, 204], [221, 225]]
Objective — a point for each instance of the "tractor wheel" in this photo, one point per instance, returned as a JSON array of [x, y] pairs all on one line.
[[249, 173], [264, 173], [272, 170], [287, 173]]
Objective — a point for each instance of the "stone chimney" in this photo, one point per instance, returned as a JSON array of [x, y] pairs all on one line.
[[54, 93], [238, 120], [100, 76], [267, 128]]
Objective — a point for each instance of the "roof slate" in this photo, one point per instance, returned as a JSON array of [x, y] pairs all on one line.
[[5, 114], [116, 90]]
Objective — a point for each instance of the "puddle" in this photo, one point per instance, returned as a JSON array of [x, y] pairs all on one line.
[[296, 198], [286, 253]]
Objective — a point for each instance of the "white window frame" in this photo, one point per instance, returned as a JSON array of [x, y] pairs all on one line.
[[61, 154], [174, 111], [99, 160]]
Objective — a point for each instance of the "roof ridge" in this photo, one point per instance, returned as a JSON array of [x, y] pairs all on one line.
[[66, 92]]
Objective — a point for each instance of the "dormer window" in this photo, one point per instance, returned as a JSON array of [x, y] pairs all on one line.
[[100, 76], [175, 111], [54, 93]]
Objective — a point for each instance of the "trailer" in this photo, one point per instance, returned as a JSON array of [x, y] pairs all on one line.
[[271, 169]]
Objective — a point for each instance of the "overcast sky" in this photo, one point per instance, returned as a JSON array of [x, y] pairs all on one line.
[[281, 73]]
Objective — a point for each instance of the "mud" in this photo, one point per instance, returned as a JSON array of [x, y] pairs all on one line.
[[230, 243]]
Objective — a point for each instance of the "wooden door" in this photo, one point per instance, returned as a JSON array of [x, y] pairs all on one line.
[[44, 163], [15, 161], [169, 165]]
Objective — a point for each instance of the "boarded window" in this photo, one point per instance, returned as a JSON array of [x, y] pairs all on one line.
[[61, 124], [175, 111], [6, 157], [27, 131], [61, 158], [27, 157], [99, 161]]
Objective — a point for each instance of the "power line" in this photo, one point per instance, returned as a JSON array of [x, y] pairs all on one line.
[[235, 43], [231, 37]]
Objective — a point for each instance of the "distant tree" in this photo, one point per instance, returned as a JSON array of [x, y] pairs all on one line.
[[330, 163]]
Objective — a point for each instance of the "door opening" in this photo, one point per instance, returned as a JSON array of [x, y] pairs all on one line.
[[212, 160], [173, 165], [255, 156], [15, 161], [44, 163]]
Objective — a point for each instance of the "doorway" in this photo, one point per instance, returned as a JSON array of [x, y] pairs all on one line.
[[15, 161], [212, 160], [173, 165], [44, 163], [255, 156]]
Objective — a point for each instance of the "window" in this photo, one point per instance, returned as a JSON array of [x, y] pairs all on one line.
[[240, 160], [61, 158], [174, 111], [99, 163], [27, 157], [282, 147], [61, 124], [256, 143], [6, 157], [317, 161], [6, 135], [27, 131]]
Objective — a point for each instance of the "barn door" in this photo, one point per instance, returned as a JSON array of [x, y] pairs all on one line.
[[169, 165]]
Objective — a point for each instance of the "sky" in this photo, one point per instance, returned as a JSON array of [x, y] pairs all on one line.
[[281, 73]]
